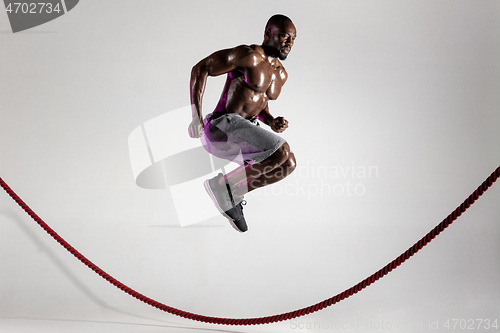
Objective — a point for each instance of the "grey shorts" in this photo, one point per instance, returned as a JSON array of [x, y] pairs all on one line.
[[231, 137]]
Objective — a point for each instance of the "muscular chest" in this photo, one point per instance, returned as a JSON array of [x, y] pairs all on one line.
[[264, 78]]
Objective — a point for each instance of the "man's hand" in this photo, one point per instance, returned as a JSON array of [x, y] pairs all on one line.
[[279, 124], [196, 128]]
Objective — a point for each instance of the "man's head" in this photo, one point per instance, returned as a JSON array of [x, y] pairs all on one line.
[[279, 36]]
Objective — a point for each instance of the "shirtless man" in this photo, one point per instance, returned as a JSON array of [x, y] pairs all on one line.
[[255, 75]]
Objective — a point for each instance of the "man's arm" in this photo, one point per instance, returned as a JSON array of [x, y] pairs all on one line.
[[218, 63], [265, 116], [278, 124]]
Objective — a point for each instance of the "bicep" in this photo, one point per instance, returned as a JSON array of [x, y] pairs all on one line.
[[224, 61]]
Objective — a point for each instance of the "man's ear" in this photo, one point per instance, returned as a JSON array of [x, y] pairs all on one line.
[[267, 34]]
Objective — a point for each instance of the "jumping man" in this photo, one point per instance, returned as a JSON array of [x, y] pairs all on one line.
[[255, 75]]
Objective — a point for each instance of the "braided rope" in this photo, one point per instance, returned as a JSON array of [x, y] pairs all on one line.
[[280, 317]]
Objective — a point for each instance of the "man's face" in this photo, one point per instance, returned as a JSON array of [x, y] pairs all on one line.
[[282, 38]]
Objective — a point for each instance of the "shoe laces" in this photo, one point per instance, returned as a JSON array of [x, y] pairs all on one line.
[[241, 204]]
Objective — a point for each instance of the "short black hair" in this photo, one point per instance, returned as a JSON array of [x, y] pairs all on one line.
[[276, 20]]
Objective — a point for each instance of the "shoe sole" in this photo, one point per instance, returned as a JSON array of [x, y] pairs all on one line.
[[211, 194], [234, 226]]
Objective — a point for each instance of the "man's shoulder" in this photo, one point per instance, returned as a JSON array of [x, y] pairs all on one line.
[[252, 49], [248, 55]]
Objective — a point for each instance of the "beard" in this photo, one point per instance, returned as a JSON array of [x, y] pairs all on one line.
[[283, 54], [275, 52]]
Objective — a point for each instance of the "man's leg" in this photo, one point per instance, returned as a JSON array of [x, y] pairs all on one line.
[[251, 176], [275, 175]]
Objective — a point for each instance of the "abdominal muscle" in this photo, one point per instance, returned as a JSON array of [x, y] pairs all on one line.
[[238, 98]]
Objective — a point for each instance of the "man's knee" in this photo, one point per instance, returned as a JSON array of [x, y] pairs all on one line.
[[291, 163], [282, 154], [279, 157], [288, 158]]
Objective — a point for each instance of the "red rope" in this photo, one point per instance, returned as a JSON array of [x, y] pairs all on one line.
[[284, 316]]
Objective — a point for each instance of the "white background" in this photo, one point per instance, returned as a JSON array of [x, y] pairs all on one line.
[[411, 88]]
